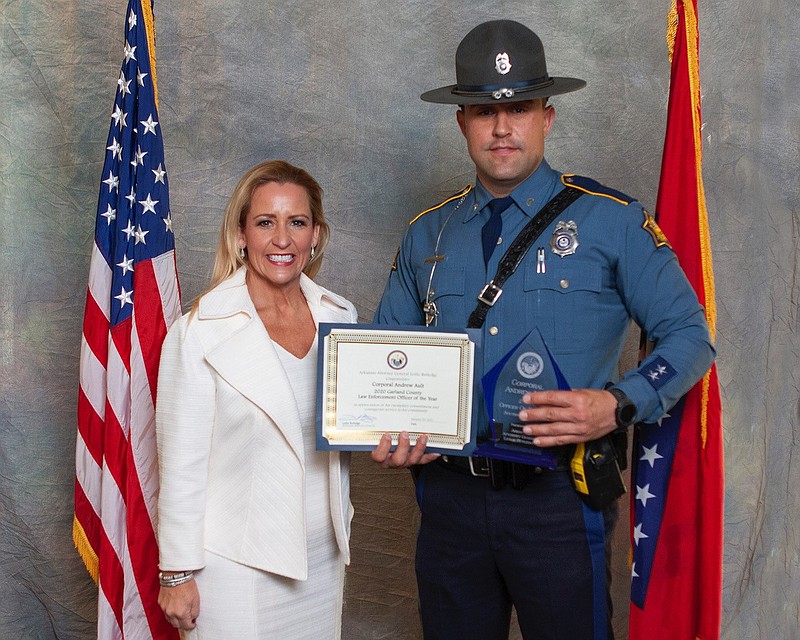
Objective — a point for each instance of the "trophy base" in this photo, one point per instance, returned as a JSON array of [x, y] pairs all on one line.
[[514, 446]]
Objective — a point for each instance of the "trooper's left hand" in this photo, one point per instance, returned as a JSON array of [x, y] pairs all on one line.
[[566, 417]]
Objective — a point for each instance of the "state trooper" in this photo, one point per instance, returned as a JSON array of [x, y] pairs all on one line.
[[486, 545]]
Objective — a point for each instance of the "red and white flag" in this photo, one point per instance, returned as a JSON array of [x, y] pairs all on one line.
[[133, 297]]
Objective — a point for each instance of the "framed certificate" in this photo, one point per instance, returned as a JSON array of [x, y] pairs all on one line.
[[373, 380]]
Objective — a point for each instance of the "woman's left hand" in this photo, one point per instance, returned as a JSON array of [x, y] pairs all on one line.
[[181, 604]]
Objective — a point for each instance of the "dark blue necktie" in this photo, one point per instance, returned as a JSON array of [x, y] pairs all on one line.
[[494, 225]]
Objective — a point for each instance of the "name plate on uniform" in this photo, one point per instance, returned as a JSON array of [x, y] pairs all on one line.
[[373, 380]]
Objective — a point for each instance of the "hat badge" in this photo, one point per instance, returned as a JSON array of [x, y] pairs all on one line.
[[502, 64]]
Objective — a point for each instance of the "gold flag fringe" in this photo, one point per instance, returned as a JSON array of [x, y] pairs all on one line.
[[672, 28], [85, 550], [709, 297], [150, 29]]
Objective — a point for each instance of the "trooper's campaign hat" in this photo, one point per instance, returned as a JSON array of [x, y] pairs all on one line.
[[501, 61]]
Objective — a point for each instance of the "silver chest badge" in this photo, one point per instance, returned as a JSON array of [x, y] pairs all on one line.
[[502, 64], [565, 239]]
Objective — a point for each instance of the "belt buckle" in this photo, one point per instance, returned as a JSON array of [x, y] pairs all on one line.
[[490, 293], [477, 473]]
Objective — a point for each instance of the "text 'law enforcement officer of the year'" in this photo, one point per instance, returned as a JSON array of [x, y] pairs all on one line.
[[486, 545]]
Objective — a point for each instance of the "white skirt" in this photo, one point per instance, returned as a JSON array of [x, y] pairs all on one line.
[[241, 603]]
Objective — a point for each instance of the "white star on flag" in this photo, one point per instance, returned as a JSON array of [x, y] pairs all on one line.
[[112, 181], [139, 235], [651, 455], [124, 85], [129, 230], [159, 173], [109, 214], [662, 418], [139, 159], [131, 20], [115, 147], [148, 204], [633, 571], [129, 52], [126, 265], [168, 221], [119, 117], [149, 125], [643, 494], [140, 76], [131, 197], [124, 297], [638, 535]]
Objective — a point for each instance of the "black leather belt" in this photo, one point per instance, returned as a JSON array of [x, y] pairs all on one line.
[[499, 472]]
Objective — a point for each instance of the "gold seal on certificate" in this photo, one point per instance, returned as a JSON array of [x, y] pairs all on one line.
[[373, 380]]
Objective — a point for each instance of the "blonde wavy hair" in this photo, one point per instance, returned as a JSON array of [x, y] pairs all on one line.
[[228, 259]]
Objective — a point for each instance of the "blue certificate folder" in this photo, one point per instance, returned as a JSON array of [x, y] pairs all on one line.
[[375, 379], [529, 366]]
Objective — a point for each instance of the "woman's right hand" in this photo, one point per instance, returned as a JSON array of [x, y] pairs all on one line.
[[181, 604], [404, 455]]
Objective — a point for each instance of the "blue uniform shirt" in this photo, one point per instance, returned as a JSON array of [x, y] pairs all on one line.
[[622, 268]]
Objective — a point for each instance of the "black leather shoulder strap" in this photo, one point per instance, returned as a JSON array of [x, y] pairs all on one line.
[[516, 252]]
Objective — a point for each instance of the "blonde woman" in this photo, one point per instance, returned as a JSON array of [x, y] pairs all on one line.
[[253, 522]]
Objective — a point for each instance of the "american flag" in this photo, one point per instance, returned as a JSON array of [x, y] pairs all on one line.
[[133, 297], [677, 504]]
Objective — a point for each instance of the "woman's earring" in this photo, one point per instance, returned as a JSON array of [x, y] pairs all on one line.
[[312, 251], [241, 253]]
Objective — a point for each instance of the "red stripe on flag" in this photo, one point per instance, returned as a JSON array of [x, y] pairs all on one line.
[[95, 329], [91, 427], [112, 576], [115, 452], [150, 326], [121, 336], [87, 517], [143, 549]]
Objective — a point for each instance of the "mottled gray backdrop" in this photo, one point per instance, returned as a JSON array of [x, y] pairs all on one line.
[[333, 86]]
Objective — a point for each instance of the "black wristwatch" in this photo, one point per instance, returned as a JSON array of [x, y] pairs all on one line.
[[625, 413]]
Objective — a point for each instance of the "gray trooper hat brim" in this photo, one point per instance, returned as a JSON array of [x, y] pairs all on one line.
[[501, 61], [502, 93]]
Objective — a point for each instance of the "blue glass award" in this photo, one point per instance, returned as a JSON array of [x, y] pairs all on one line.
[[529, 366]]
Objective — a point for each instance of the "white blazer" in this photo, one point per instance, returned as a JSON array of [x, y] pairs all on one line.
[[230, 444]]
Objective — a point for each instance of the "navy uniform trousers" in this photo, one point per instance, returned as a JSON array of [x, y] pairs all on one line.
[[481, 549]]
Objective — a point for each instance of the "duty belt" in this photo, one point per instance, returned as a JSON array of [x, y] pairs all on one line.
[[499, 472]]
